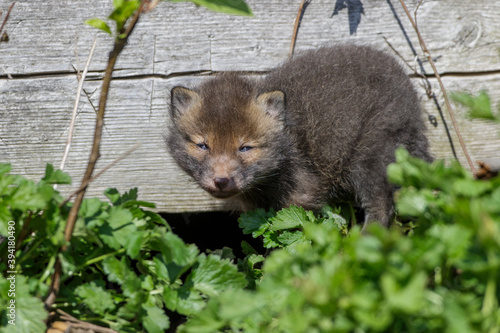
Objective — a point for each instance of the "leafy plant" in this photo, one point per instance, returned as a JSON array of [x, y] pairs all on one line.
[[479, 106], [123, 269], [123, 10], [443, 277]]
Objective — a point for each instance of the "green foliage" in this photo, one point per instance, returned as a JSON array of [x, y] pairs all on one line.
[[236, 7], [99, 24], [126, 270], [123, 269], [442, 277], [29, 311], [284, 228], [479, 106], [124, 9]]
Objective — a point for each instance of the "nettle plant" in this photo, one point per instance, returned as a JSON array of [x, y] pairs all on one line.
[[441, 275], [124, 267]]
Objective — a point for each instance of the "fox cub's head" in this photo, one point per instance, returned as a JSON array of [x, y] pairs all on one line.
[[227, 135]]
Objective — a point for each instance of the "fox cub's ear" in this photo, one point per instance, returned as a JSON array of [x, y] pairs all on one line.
[[274, 103], [182, 99]]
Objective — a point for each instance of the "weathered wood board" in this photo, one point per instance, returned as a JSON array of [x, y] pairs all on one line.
[[179, 43]]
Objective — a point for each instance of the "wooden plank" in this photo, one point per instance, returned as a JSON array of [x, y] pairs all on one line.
[[36, 135], [38, 112], [178, 40], [179, 37]]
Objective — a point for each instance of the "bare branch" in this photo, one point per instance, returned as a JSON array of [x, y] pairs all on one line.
[[81, 80], [118, 47], [296, 28], [441, 85], [6, 17], [106, 168], [76, 323]]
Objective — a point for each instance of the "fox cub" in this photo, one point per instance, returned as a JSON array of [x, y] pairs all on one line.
[[320, 128]]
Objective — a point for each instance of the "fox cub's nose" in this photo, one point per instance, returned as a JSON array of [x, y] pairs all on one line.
[[221, 182]]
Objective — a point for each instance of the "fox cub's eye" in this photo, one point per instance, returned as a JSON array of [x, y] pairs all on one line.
[[202, 146], [245, 148]]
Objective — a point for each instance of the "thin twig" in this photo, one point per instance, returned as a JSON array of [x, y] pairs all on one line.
[[74, 322], [118, 47], [6, 16], [441, 85], [76, 56], [120, 43], [106, 168], [152, 4], [81, 80], [416, 10], [296, 29], [427, 85]]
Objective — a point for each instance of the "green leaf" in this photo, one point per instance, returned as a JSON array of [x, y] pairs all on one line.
[[118, 3], [455, 238], [213, 275], [369, 249], [5, 168], [156, 321], [247, 303], [289, 237], [407, 298], [99, 24], [163, 272], [456, 316], [289, 218], [206, 321], [29, 311], [413, 202], [113, 195], [479, 106], [248, 249], [117, 270], [181, 253], [131, 195], [27, 196], [117, 231], [237, 7], [176, 257], [56, 176], [133, 244], [471, 188], [123, 11], [255, 222], [138, 203], [91, 207], [184, 300], [96, 298], [270, 240]]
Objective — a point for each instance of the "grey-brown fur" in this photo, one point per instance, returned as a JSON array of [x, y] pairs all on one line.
[[346, 109]]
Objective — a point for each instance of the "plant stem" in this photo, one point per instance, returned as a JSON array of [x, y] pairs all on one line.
[[100, 258], [6, 17], [296, 28], [81, 80], [489, 301], [441, 85], [118, 47], [107, 167]]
